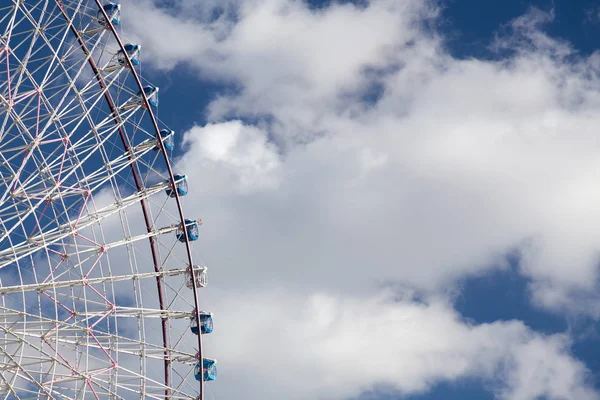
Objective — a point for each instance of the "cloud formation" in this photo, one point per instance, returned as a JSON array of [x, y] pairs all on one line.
[[332, 347], [357, 152]]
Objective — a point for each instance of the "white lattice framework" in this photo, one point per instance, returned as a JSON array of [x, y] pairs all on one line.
[[95, 298]]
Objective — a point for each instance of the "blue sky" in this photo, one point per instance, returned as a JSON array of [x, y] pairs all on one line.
[[481, 284], [475, 23]]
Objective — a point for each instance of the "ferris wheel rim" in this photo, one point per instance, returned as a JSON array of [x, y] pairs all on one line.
[[161, 145], [133, 167]]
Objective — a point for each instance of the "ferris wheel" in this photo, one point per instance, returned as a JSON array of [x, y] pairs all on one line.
[[98, 288]]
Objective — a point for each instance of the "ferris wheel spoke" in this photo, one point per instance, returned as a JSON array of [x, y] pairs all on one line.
[[154, 387], [41, 32], [24, 71], [76, 152], [34, 188], [92, 281], [71, 84], [102, 175], [130, 349], [106, 247], [27, 248], [43, 356], [65, 342]]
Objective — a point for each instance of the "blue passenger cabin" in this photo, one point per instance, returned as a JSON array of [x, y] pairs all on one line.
[[193, 232], [114, 14], [208, 368], [151, 93], [132, 51], [180, 184], [206, 323], [168, 138]]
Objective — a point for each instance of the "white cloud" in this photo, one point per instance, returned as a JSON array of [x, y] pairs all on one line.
[[277, 236], [233, 155], [592, 16], [458, 163], [329, 347]]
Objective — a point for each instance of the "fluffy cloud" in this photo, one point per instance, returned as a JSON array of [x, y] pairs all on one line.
[[324, 346], [380, 157], [234, 156], [459, 162]]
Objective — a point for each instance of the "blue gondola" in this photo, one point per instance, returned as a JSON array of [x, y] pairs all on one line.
[[206, 323], [181, 185], [152, 95], [168, 139], [208, 368], [191, 225], [133, 52], [114, 14]]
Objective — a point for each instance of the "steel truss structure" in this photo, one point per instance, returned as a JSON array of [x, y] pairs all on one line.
[[97, 281]]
